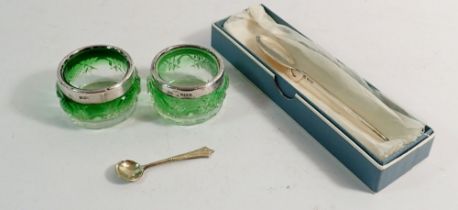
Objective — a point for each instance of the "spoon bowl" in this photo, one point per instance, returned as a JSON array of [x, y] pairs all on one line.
[[129, 170], [275, 50], [279, 54]]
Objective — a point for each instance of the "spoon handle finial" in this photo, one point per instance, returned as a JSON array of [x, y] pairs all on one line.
[[203, 152]]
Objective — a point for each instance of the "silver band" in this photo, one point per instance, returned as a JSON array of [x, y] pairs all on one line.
[[99, 95], [188, 92]]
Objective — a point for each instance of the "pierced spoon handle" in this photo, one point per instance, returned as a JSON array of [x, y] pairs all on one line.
[[203, 152]]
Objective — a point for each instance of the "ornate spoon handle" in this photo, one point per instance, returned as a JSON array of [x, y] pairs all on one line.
[[203, 152]]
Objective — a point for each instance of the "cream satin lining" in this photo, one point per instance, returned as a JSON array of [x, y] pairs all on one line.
[[338, 91]]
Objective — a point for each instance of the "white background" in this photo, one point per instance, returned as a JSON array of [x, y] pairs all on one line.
[[263, 159]]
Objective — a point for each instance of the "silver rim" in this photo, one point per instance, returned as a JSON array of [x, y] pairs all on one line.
[[188, 92], [99, 95]]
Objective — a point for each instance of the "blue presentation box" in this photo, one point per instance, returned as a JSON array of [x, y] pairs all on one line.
[[374, 173]]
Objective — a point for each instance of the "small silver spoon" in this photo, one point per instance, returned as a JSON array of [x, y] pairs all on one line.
[[131, 171]]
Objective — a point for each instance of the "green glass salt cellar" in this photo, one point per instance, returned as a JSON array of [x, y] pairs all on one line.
[[187, 83], [97, 86]]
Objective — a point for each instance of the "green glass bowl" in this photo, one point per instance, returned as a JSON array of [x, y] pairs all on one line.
[[187, 84], [98, 86]]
